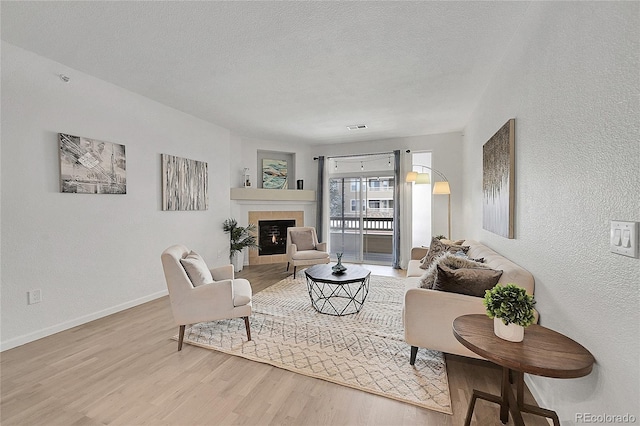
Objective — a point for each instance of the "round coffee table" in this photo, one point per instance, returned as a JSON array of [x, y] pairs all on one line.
[[341, 294]]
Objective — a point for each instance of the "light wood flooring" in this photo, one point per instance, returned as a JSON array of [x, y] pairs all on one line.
[[125, 370]]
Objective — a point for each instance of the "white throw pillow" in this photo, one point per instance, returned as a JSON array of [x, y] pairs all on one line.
[[196, 269]]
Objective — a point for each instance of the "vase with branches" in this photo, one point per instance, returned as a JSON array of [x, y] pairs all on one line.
[[240, 237]]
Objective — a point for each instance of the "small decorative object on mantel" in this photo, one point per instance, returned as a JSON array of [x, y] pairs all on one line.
[[511, 309], [339, 268], [246, 180]]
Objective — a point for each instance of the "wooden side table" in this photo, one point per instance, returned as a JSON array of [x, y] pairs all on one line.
[[543, 352]]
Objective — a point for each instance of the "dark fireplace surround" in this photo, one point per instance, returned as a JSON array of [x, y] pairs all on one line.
[[272, 236]]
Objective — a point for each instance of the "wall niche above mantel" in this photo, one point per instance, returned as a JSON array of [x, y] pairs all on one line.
[[260, 194], [288, 157]]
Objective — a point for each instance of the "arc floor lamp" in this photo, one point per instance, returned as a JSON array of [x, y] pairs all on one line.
[[439, 187]]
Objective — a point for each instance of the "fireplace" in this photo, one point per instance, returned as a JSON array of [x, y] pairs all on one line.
[[272, 236], [266, 255]]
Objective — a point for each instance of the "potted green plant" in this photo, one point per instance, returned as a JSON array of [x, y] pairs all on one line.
[[240, 237], [511, 309]]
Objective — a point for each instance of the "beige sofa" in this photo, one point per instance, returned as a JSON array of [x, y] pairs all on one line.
[[428, 314]]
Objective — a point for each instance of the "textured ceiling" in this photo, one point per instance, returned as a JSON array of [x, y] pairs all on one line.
[[290, 71]]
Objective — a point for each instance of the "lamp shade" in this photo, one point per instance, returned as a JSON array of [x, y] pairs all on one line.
[[411, 177], [423, 178], [441, 188]]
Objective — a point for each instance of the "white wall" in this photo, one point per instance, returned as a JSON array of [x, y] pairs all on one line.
[[570, 79], [92, 254]]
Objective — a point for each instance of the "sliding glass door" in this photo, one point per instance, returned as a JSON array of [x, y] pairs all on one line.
[[361, 218]]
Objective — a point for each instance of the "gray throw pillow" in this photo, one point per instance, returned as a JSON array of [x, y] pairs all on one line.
[[469, 281], [303, 240], [436, 248]]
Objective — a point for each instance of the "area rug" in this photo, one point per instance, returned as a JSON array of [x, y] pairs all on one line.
[[365, 351]]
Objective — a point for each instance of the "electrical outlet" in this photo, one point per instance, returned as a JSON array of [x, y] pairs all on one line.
[[35, 296]]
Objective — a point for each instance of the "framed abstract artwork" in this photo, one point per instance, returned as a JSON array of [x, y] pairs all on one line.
[[274, 174], [498, 181], [90, 166], [184, 184]]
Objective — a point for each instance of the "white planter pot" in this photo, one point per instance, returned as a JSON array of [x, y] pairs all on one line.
[[511, 332], [238, 261]]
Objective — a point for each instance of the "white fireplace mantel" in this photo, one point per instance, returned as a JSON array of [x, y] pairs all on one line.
[[261, 194]]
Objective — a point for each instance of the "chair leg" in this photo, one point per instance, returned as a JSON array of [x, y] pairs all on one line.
[[287, 266], [414, 353], [246, 325], [181, 337], [294, 271]]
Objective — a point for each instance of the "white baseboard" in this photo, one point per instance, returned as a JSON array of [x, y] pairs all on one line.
[[27, 338]]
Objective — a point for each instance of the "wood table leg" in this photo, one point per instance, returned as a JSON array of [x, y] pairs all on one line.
[[506, 389], [526, 408], [480, 395], [472, 405], [519, 378], [513, 406], [509, 403], [531, 409]]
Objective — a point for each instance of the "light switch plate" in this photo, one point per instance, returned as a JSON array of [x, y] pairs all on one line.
[[624, 238]]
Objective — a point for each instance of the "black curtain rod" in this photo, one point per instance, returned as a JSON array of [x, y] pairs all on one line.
[[359, 155]]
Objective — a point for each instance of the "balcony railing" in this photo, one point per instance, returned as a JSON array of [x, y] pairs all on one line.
[[368, 224]]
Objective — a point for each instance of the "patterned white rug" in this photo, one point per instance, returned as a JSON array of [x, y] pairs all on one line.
[[364, 351]]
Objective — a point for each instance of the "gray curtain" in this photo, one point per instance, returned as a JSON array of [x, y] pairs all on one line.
[[396, 210], [319, 202]]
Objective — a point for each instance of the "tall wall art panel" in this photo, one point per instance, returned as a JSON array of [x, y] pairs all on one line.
[[498, 181], [184, 184]]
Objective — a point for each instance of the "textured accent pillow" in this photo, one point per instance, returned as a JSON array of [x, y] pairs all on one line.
[[452, 260], [196, 269], [469, 281], [437, 247], [303, 240], [452, 243], [466, 256], [429, 277]]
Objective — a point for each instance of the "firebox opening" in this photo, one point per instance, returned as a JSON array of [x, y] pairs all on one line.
[[272, 236]]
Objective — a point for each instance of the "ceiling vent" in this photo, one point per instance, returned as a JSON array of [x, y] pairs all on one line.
[[357, 127]]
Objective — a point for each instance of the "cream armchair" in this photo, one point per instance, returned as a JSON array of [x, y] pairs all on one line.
[[303, 248], [199, 294]]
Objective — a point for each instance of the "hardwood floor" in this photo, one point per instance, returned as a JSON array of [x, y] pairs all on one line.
[[125, 370]]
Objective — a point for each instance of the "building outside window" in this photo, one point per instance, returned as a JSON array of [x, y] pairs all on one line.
[[356, 205]]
